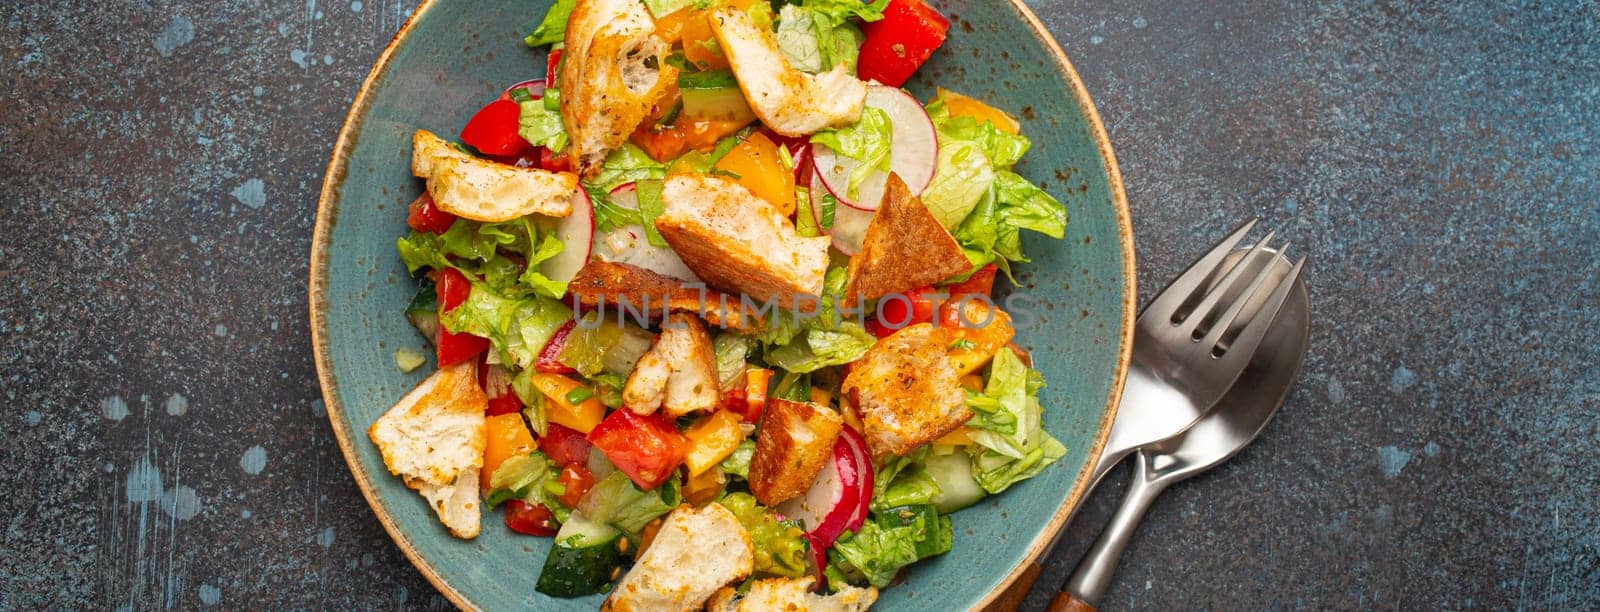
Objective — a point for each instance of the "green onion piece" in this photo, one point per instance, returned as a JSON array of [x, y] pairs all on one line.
[[520, 95], [579, 395]]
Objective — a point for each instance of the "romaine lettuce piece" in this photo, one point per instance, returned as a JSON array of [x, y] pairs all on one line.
[[779, 548], [616, 501]]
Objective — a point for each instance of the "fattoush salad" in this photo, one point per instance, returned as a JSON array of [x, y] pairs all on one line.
[[711, 306]]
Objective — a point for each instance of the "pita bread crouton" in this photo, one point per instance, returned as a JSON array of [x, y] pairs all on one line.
[[792, 446], [608, 283], [433, 438], [905, 248], [905, 390], [791, 594], [483, 190], [695, 553], [789, 101], [738, 242], [612, 72], [678, 372]]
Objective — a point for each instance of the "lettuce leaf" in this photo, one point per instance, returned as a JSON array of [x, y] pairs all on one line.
[[616, 501], [628, 164], [814, 349], [912, 486], [662, 8], [1002, 421], [475, 249], [738, 464], [893, 539], [531, 478], [554, 26], [996, 472], [540, 125], [866, 141], [1003, 149], [815, 40], [843, 9], [518, 328], [1026, 206], [961, 178], [779, 547]]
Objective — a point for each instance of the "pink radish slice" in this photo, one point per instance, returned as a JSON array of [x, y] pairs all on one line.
[[534, 87], [819, 558], [849, 227], [864, 467], [630, 245], [913, 154], [833, 499], [576, 232]]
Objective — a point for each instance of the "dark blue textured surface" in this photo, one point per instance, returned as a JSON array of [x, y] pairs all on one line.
[[165, 446]]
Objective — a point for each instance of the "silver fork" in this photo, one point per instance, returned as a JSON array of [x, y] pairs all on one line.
[[1189, 345]]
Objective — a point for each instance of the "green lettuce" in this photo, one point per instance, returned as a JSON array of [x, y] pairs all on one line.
[[531, 478], [650, 207], [733, 351], [541, 125], [961, 178], [814, 349], [842, 9], [516, 327], [867, 141], [893, 539], [662, 8], [996, 472], [979, 198], [627, 164], [616, 501], [554, 26], [912, 486], [780, 549], [815, 40], [738, 463], [1011, 444], [476, 249]]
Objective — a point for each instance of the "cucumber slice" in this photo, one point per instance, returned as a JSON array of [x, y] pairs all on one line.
[[423, 311], [582, 560], [713, 95], [957, 488]]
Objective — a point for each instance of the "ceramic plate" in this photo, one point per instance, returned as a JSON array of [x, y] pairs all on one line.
[[453, 56]]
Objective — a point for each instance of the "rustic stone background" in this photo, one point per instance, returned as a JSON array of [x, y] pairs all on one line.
[[164, 445]]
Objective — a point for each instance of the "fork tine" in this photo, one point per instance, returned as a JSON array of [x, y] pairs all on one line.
[[1219, 329], [1244, 346], [1168, 301], [1223, 287]]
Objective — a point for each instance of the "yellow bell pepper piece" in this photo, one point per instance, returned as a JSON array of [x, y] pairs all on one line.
[[962, 106], [583, 416], [712, 440], [507, 437]]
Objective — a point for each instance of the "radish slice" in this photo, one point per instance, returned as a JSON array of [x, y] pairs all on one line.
[[576, 232], [914, 153], [849, 227], [534, 87], [833, 500], [865, 467], [550, 357], [630, 245]]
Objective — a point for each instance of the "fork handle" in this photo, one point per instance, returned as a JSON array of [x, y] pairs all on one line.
[[1066, 602], [1088, 583]]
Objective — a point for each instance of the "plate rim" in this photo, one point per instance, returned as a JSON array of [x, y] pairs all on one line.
[[337, 169]]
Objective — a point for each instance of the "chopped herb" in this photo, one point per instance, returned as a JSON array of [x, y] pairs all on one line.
[[785, 157], [579, 395], [829, 203], [520, 95], [721, 172], [962, 345], [672, 115]]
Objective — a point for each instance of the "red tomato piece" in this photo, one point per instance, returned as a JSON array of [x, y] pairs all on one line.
[[896, 312], [576, 481], [552, 67], [981, 282], [553, 162], [452, 288], [646, 448], [424, 216], [564, 445], [493, 131], [548, 360], [530, 519], [496, 383], [899, 43]]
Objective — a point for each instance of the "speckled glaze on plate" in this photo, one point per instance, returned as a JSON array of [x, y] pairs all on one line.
[[453, 56]]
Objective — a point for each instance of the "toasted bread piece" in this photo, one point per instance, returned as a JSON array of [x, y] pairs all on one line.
[[905, 248], [614, 68], [789, 101], [738, 242], [987, 330], [793, 444], [484, 190], [678, 372], [607, 283], [905, 391], [695, 553], [433, 438], [791, 594]]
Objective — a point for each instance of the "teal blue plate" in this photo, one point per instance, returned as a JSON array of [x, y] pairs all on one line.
[[454, 55]]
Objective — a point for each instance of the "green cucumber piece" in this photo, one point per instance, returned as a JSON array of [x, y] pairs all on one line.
[[423, 311], [582, 560], [713, 95], [957, 488]]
